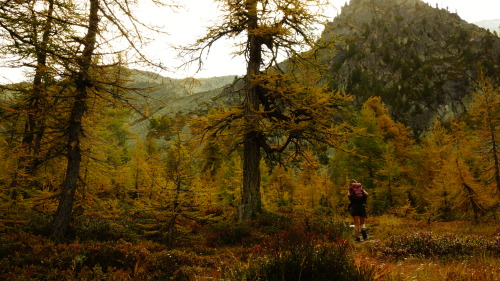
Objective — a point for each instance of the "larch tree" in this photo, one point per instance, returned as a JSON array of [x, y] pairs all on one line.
[[281, 189], [179, 173], [107, 25], [393, 176], [35, 33], [379, 156], [468, 194], [485, 112], [228, 181], [184, 195], [309, 190], [74, 129], [284, 107], [314, 189], [67, 40], [429, 174], [366, 148]]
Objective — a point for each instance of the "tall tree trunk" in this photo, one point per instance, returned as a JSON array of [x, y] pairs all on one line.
[[63, 215], [39, 81], [33, 126], [251, 201], [494, 149]]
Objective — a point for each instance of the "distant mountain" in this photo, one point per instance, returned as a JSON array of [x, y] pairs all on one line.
[[421, 60], [491, 25], [159, 95], [156, 94], [159, 90]]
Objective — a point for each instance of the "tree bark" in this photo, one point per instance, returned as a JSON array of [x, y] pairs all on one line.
[[63, 215], [251, 202], [494, 149]]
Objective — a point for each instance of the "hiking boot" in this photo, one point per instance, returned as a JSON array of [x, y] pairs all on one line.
[[363, 232]]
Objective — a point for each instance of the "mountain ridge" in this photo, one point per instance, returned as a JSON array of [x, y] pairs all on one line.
[[421, 60]]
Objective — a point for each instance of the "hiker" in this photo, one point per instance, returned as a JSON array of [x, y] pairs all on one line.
[[357, 195]]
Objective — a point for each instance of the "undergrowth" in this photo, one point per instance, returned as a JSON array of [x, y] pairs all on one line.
[[424, 244], [301, 254], [273, 247]]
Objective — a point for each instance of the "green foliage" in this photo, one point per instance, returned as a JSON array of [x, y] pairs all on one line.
[[379, 157]]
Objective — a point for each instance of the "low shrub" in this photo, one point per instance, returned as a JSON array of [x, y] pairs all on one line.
[[300, 255], [329, 228], [271, 223], [176, 265], [426, 245], [101, 229], [28, 257], [226, 234]]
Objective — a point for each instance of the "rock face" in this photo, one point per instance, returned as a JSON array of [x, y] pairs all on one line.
[[421, 60]]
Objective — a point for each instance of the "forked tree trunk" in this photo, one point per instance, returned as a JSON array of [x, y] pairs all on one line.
[[63, 215]]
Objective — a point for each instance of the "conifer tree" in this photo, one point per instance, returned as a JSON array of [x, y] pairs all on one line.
[[467, 197], [74, 128], [279, 109], [179, 170], [229, 182], [379, 157], [35, 33], [182, 196], [390, 192], [88, 79], [309, 189], [485, 113], [430, 176], [281, 189], [65, 39], [314, 189]]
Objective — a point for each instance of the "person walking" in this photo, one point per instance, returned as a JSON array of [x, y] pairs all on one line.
[[357, 208]]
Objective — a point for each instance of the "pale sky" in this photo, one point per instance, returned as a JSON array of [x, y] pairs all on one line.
[[471, 10], [187, 24]]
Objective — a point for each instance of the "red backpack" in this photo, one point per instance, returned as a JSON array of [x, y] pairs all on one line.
[[356, 193]]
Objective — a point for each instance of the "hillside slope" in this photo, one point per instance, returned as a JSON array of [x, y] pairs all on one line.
[[421, 60]]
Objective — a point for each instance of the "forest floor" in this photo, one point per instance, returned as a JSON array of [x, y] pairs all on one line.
[[401, 249], [277, 247]]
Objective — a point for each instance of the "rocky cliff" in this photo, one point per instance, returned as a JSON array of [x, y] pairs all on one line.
[[422, 60]]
